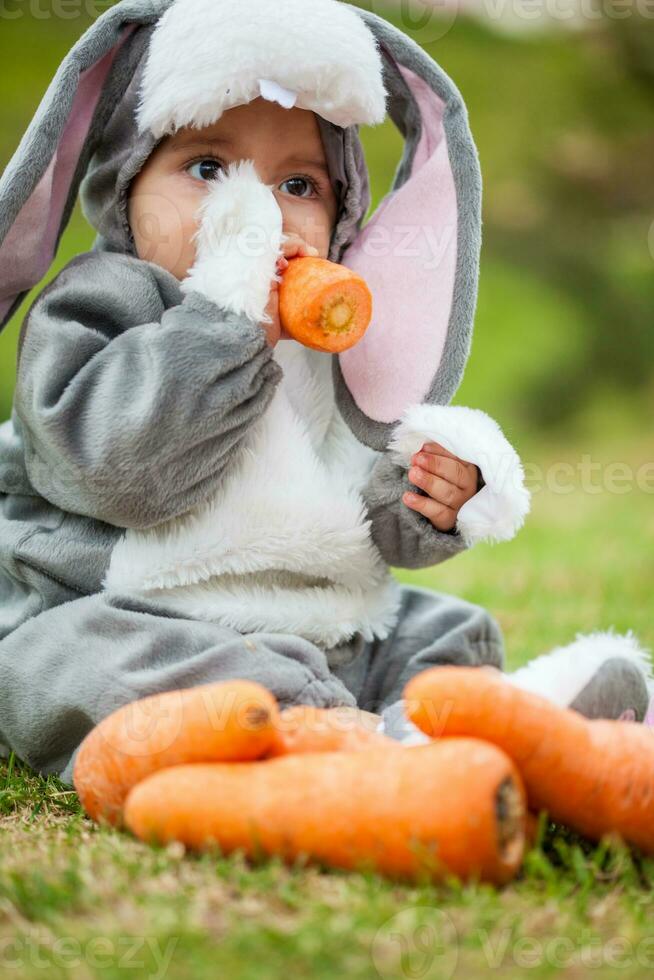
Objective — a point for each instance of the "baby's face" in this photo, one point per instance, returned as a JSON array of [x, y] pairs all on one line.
[[288, 154]]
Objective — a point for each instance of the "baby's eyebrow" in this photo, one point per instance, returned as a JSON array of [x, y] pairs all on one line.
[[292, 160], [199, 141], [306, 162]]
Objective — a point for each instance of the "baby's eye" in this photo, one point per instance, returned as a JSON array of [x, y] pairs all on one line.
[[207, 169], [297, 184]]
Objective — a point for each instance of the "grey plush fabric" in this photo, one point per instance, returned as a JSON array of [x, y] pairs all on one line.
[[131, 399], [102, 459], [404, 537], [83, 457], [111, 326], [433, 629], [111, 650], [618, 687], [348, 174], [119, 154]]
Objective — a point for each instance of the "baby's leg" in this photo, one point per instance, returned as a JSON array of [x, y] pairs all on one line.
[[601, 675], [64, 670], [432, 629]]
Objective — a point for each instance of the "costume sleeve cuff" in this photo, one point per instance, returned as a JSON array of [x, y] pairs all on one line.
[[498, 510]]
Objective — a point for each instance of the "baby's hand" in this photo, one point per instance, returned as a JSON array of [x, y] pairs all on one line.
[[448, 480], [292, 246]]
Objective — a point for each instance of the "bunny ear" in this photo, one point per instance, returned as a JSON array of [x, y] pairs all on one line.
[[419, 252], [39, 187]]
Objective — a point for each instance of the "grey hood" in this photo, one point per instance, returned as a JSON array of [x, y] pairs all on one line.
[[122, 151], [419, 250]]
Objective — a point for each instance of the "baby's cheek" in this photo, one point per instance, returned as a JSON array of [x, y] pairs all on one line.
[[310, 221], [325, 237], [321, 241], [163, 231], [183, 248]]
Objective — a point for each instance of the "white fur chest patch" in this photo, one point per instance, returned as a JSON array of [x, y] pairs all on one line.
[[284, 544]]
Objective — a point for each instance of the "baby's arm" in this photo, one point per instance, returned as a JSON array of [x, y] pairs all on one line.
[[130, 411], [404, 537]]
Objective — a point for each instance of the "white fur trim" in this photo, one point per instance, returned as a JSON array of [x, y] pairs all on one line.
[[499, 509], [324, 615], [284, 543], [275, 93], [207, 56], [238, 242], [562, 674]]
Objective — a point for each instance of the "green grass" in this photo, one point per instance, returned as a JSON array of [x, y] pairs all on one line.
[[82, 901], [86, 900]]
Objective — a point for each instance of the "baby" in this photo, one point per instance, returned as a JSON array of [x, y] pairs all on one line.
[[278, 141], [184, 499]]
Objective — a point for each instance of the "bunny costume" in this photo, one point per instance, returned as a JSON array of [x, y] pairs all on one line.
[[180, 502]]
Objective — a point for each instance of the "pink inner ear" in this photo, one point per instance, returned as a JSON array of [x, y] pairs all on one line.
[[407, 254], [28, 250]]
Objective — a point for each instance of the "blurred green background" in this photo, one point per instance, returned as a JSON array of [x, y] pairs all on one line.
[[564, 126], [563, 348]]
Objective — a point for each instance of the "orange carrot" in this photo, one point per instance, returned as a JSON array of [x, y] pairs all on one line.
[[455, 805], [595, 776], [221, 721], [305, 728], [323, 305]]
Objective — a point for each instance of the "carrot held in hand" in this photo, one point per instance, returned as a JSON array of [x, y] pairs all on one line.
[[323, 305], [452, 806], [222, 721], [595, 776], [305, 728]]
